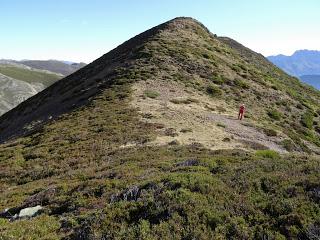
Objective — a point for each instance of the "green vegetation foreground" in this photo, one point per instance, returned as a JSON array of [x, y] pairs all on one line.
[[91, 188]]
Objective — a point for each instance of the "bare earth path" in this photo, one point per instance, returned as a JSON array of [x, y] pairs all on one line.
[[211, 122], [241, 130]]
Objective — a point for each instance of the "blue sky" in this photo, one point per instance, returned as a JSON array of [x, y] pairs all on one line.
[[83, 30]]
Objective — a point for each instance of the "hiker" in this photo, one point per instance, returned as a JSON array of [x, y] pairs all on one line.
[[241, 112]]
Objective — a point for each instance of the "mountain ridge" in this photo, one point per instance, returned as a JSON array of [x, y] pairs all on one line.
[[53, 66], [103, 77], [144, 142], [115, 53], [301, 62]]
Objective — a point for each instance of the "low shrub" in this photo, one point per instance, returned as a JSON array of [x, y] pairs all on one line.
[[236, 68], [205, 55], [170, 132], [268, 154], [270, 132], [288, 145], [213, 90], [218, 79], [254, 145], [307, 119], [274, 114], [240, 83], [300, 106]]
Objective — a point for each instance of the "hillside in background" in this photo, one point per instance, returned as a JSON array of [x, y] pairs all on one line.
[[20, 80], [144, 143], [64, 68], [304, 64]]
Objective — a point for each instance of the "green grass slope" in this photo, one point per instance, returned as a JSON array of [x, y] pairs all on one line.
[[29, 76], [70, 150]]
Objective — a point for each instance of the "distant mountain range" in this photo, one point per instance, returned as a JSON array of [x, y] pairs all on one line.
[[304, 64], [62, 67], [20, 80]]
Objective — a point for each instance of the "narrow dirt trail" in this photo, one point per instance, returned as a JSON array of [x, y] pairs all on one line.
[[242, 131]]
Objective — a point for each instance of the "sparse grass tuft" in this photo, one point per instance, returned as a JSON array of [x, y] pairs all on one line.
[[184, 100], [186, 130], [151, 94], [218, 79], [221, 125]]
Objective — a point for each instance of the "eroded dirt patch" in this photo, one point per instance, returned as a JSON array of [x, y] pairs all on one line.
[[186, 116]]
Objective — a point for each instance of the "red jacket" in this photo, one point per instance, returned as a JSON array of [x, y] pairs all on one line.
[[241, 110]]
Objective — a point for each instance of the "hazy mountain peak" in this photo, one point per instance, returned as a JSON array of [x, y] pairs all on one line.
[[301, 62], [305, 52]]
